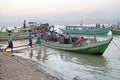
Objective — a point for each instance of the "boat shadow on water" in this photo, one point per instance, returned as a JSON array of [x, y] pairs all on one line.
[[84, 59]]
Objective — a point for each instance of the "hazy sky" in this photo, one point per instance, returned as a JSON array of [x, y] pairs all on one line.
[[13, 12]]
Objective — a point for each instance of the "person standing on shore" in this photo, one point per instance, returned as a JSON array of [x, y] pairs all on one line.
[[10, 43], [30, 43], [30, 39], [38, 40]]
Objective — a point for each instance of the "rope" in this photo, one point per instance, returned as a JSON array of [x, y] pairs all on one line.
[[116, 45]]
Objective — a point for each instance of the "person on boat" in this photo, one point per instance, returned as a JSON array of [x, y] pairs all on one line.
[[103, 26], [10, 43], [61, 39], [79, 41], [67, 36], [45, 37], [30, 39], [55, 37], [52, 35], [70, 39], [95, 40], [88, 42], [76, 78]]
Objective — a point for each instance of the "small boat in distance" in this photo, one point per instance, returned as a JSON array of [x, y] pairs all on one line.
[[97, 48], [86, 30], [116, 29]]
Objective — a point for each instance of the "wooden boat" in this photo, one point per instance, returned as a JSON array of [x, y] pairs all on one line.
[[116, 31], [14, 38], [116, 28], [97, 48], [17, 34], [85, 30]]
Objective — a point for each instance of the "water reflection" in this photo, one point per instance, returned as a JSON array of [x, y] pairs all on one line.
[[83, 59], [44, 53], [38, 52], [31, 53], [78, 64]]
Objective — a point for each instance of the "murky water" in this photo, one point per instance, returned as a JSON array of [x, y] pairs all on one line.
[[68, 64]]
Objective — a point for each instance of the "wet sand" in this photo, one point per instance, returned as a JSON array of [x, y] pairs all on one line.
[[17, 68]]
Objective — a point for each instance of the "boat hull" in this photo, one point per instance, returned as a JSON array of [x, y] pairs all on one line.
[[96, 48], [116, 32], [14, 38], [86, 32]]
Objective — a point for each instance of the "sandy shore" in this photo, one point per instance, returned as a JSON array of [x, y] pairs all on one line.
[[17, 68]]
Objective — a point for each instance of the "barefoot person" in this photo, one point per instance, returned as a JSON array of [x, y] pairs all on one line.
[[10, 43], [38, 41], [30, 39]]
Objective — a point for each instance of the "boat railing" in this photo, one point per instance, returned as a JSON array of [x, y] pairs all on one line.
[[3, 34]]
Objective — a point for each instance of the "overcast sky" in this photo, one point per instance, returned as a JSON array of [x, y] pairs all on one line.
[[13, 12]]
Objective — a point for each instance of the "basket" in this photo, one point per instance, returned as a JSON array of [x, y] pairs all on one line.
[[5, 53]]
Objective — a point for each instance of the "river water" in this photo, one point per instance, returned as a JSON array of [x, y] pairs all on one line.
[[67, 65]]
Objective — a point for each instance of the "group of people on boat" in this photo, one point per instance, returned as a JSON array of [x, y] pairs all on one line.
[[81, 41], [61, 38], [97, 27], [67, 39]]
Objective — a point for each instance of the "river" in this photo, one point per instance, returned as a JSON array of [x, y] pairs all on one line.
[[67, 65]]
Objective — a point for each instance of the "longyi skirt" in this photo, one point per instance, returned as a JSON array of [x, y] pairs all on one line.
[[38, 41], [10, 44]]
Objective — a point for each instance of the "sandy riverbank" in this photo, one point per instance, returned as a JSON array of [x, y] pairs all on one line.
[[17, 68]]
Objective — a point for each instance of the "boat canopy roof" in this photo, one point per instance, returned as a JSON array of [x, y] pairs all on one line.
[[75, 27]]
